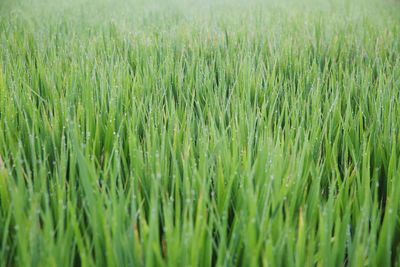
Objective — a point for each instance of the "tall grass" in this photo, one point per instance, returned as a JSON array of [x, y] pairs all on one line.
[[198, 134]]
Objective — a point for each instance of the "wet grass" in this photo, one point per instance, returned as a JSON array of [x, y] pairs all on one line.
[[198, 134]]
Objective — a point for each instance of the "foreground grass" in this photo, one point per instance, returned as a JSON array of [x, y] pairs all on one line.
[[186, 134]]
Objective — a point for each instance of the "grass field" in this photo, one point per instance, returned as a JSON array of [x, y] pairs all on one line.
[[212, 133]]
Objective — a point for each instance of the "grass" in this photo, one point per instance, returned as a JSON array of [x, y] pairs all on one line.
[[219, 133]]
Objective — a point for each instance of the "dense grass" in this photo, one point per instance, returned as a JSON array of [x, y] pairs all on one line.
[[196, 134]]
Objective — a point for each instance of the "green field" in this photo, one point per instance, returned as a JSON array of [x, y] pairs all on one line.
[[199, 133]]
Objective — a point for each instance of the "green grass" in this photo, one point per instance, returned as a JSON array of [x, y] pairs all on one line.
[[220, 133]]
